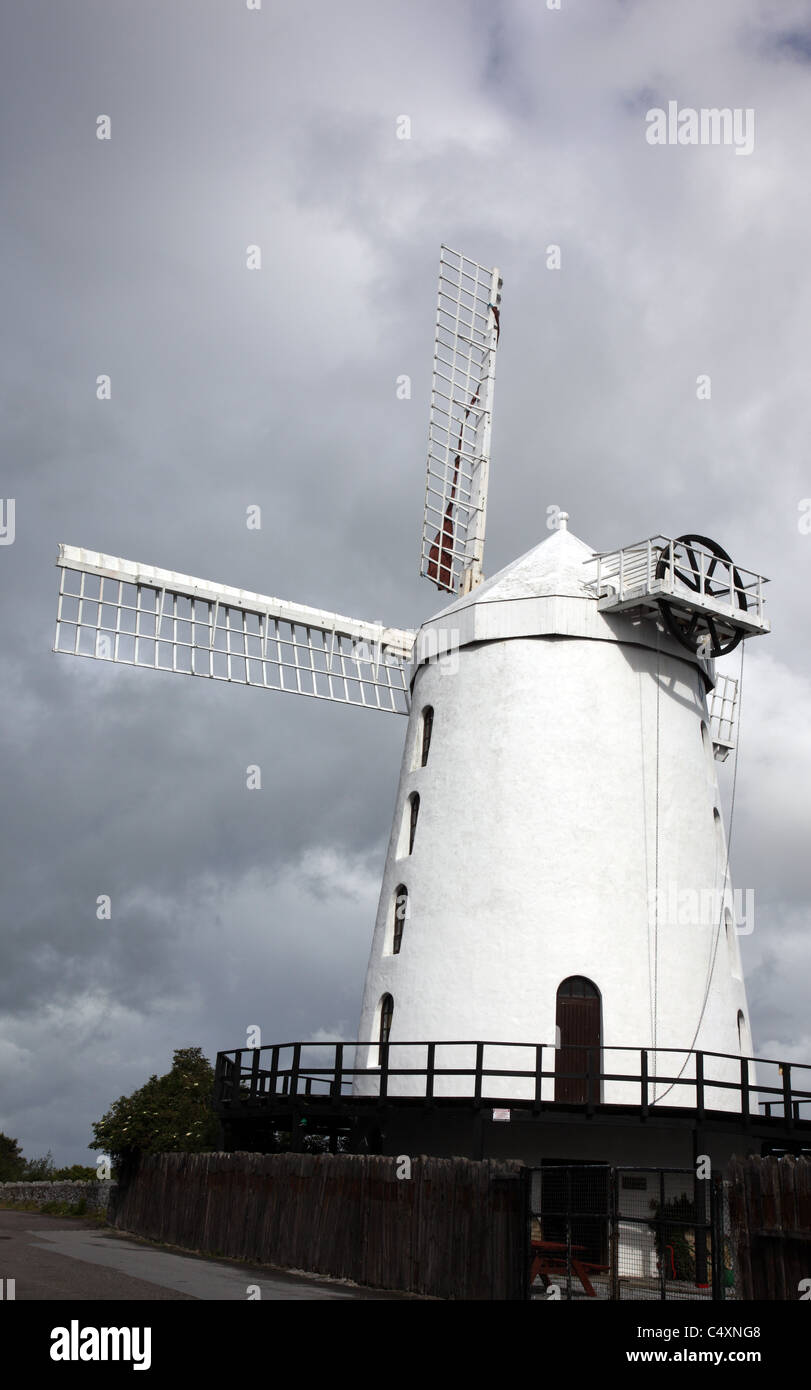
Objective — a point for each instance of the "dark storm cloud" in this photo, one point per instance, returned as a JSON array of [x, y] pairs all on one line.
[[276, 388]]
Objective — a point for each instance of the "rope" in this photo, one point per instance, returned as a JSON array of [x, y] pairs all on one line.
[[656, 852]]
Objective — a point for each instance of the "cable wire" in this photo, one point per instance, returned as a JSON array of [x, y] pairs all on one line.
[[723, 892]]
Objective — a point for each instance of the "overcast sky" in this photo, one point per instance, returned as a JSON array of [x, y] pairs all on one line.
[[277, 127]]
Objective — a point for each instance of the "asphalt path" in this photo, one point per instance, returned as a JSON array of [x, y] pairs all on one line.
[[66, 1258]]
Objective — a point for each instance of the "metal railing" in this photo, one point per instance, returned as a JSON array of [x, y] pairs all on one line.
[[652, 1080], [631, 572]]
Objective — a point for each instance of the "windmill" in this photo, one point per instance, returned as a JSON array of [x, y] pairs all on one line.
[[557, 872]]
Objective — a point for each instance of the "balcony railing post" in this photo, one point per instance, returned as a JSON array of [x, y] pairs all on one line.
[[255, 1072], [788, 1108], [538, 1075], [700, 1085], [643, 1082], [590, 1081], [429, 1077], [384, 1069], [219, 1075], [238, 1093], [477, 1085], [745, 1088], [294, 1071], [337, 1076], [274, 1068]]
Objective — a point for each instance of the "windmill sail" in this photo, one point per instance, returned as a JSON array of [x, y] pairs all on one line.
[[134, 614], [467, 327]]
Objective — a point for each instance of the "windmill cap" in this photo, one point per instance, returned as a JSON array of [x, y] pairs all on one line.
[[548, 592], [558, 565]]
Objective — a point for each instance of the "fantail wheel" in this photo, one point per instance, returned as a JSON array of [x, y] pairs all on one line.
[[701, 568]]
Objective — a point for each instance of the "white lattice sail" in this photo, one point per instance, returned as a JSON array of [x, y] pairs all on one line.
[[137, 615], [467, 326]]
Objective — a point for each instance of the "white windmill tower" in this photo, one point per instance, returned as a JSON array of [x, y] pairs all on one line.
[[557, 868]]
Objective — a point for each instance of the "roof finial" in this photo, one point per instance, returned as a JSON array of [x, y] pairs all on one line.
[[563, 517]]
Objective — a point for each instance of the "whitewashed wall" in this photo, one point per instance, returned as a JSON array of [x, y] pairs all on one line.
[[535, 853]]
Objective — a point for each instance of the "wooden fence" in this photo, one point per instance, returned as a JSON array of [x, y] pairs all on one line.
[[770, 1212], [455, 1229]]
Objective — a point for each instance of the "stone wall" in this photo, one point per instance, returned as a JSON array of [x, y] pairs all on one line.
[[95, 1193]]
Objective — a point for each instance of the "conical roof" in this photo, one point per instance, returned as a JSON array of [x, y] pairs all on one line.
[[548, 592], [558, 566]]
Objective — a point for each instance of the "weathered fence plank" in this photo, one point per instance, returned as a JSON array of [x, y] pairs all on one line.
[[770, 1213], [453, 1230]]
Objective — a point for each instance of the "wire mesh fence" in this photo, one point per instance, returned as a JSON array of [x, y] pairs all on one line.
[[597, 1231]]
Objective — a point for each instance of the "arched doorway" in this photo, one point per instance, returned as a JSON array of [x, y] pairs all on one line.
[[577, 1017]]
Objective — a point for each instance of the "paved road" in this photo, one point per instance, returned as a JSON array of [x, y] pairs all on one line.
[[51, 1257]]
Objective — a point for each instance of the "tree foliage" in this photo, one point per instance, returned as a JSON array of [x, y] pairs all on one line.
[[12, 1162], [170, 1114], [39, 1169], [15, 1167]]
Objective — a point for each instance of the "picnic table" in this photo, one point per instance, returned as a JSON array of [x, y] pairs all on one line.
[[549, 1257]]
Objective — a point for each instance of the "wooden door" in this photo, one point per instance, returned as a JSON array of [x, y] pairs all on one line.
[[578, 1018]]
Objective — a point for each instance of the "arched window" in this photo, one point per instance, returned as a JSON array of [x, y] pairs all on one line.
[[427, 726], [720, 841], [400, 914], [386, 1015], [414, 805], [741, 1027], [578, 1040], [578, 987]]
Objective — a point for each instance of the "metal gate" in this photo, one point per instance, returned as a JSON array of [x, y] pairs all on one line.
[[596, 1231]]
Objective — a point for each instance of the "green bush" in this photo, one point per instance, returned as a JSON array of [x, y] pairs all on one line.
[[169, 1114], [675, 1243]]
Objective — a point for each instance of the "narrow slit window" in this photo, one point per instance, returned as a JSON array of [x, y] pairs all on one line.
[[427, 726], [400, 914], [386, 1015], [414, 802]]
